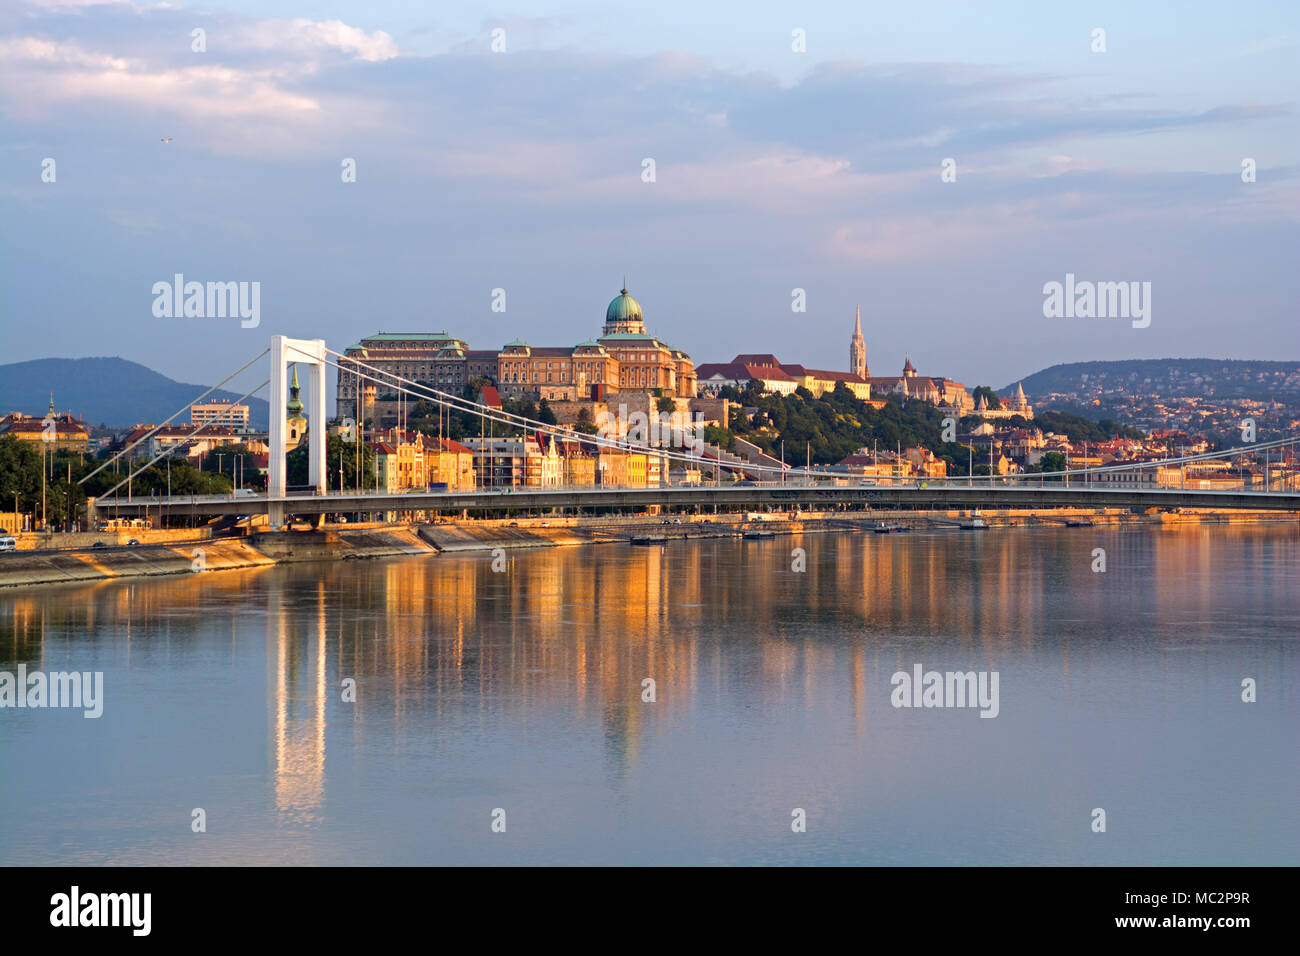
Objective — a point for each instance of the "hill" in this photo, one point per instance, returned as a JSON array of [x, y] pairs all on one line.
[[1166, 378], [104, 391]]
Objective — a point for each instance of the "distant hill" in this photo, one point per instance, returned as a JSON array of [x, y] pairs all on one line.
[[104, 391], [1167, 378]]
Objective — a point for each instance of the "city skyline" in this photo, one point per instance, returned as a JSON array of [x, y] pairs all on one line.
[[774, 170]]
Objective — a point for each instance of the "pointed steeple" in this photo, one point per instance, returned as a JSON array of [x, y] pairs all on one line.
[[51, 403], [294, 405], [858, 347]]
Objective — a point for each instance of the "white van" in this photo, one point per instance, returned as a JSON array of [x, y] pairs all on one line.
[[7, 543]]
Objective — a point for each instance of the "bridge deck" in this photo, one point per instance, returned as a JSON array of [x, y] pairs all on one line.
[[933, 496]]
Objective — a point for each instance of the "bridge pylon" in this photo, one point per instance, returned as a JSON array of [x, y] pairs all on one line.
[[309, 352]]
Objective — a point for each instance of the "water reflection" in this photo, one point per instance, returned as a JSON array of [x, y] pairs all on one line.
[[296, 698], [471, 680]]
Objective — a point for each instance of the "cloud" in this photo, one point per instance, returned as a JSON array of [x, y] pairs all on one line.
[[304, 36]]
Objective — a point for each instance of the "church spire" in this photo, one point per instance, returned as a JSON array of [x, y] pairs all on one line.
[[294, 405], [858, 347]]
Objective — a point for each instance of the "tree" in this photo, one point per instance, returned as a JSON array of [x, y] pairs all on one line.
[[234, 461], [341, 456], [990, 396], [1050, 462], [545, 414], [721, 437], [20, 472], [666, 404]]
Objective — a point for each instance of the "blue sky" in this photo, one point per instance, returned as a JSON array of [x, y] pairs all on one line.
[[775, 170]]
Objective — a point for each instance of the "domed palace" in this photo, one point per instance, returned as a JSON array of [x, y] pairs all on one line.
[[644, 361], [626, 358]]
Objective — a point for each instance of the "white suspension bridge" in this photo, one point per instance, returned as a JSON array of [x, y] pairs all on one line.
[[1130, 485]]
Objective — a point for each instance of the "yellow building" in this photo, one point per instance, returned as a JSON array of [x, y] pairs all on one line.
[[450, 463], [611, 467], [295, 420], [56, 432], [638, 468], [578, 462]]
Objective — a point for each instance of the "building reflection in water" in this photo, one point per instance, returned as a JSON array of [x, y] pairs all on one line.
[[562, 640]]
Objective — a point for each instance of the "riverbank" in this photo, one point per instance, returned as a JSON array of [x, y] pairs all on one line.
[[194, 554]]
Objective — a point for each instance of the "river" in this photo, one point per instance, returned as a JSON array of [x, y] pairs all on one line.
[[500, 715]]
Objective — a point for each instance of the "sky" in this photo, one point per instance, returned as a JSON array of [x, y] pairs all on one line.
[[775, 169]]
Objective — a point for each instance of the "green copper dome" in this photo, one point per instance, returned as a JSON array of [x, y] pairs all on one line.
[[624, 308]]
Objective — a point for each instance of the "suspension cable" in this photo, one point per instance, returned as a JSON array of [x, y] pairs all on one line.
[[520, 421], [155, 429], [169, 451], [509, 418]]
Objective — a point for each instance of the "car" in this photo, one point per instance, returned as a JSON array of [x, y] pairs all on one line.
[[132, 543], [678, 521], [8, 543], [100, 544]]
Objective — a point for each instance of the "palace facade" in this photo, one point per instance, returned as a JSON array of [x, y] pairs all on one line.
[[624, 358]]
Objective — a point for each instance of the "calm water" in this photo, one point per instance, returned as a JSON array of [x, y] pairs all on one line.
[[522, 691]]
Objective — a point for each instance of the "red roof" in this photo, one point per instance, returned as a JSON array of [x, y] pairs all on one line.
[[454, 446], [490, 396], [742, 372]]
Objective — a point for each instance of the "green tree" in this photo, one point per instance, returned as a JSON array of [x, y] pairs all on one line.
[[340, 461], [235, 462], [1050, 462], [990, 396]]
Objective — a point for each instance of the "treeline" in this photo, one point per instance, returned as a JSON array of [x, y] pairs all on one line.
[[834, 426], [838, 423], [50, 483]]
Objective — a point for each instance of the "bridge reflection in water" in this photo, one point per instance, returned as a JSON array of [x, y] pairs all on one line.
[[477, 689]]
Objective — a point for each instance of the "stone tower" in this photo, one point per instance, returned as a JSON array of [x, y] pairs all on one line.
[[858, 349]]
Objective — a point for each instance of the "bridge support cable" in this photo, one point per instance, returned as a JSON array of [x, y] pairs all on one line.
[[153, 431], [455, 402], [1241, 450], [162, 455], [447, 400], [511, 419], [444, 400]]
